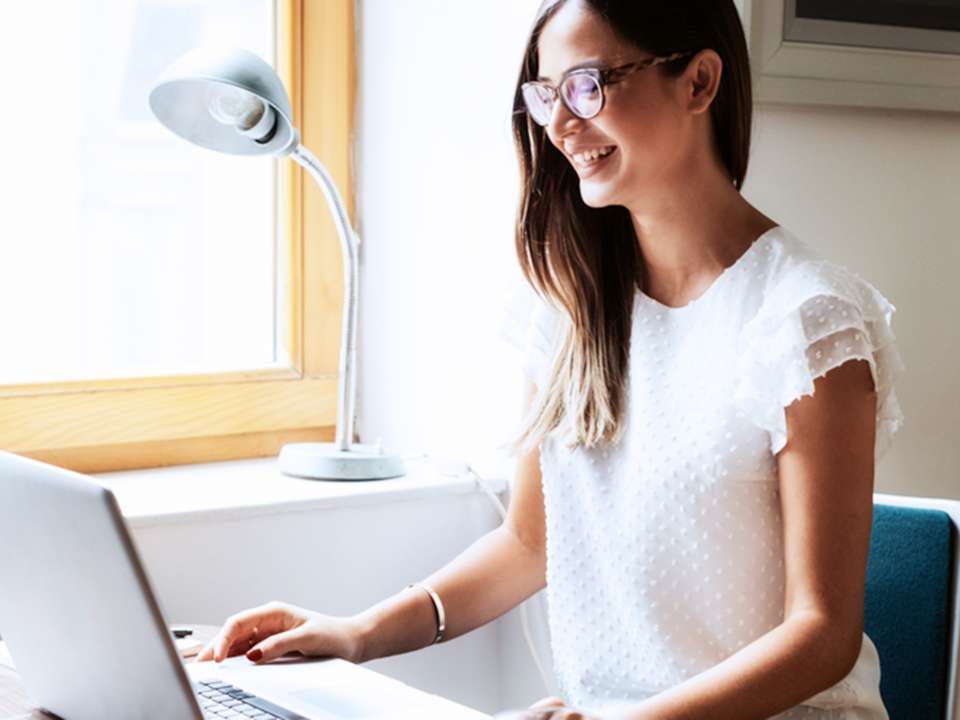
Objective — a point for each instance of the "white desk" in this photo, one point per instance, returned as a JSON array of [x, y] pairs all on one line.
[[316, 684], [322, 687]]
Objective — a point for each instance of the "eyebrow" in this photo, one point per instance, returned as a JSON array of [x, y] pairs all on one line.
[[586, 64]]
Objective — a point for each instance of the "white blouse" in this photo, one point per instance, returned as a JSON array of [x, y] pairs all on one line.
[[665, 552]]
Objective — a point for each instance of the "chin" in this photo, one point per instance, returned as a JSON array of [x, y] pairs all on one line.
[[599, 196]]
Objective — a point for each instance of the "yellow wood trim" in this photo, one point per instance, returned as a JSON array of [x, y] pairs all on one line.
[[100, 386], [97, 426], [143, 415], [328, 92], [161, 453]]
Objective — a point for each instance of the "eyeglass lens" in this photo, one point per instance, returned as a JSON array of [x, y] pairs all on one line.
[[581, 92]]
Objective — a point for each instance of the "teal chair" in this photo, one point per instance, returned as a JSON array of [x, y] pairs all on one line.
[[911, 604]]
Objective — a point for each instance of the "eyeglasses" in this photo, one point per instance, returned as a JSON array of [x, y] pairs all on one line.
[[583, 90]]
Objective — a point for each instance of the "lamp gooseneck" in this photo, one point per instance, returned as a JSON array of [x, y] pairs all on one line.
[[350, 247]]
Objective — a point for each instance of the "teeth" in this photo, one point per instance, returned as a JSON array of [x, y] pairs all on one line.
[[591, 156]]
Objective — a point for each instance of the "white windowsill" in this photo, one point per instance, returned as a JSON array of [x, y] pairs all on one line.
[[244, 488]]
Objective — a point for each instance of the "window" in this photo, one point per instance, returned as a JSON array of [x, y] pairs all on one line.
[[153, 257], [165, 304]]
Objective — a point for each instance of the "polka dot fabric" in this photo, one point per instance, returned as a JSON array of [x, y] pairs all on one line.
[[817, 317], [665, 552]]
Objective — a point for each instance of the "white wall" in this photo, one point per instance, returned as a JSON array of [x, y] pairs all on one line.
[[437, 188], [878, 191], [874, 190]]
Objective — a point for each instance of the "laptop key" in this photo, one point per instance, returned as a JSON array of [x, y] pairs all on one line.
[[273, 709], [219, 699]]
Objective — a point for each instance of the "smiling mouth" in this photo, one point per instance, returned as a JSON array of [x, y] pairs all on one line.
[[591, 157], [587, 161]]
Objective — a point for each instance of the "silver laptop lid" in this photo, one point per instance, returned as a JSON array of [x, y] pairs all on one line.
[[77, 610]]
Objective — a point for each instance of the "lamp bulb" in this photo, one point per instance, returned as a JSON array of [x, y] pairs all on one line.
[[243, 111]]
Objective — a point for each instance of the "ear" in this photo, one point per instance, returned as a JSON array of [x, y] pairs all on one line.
[[702, 80]]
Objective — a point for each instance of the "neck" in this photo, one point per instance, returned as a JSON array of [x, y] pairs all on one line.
[[690, 231]]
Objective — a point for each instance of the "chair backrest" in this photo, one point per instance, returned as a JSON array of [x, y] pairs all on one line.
[[911, 604]]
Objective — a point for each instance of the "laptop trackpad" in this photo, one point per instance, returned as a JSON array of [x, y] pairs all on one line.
[[339, 703]]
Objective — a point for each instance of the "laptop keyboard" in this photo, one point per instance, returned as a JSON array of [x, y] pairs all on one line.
[[222, 700]]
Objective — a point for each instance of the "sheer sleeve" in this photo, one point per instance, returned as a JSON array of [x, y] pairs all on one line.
[[817, 317], [531, 325]]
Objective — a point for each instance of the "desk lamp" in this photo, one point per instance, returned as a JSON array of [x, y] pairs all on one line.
[[231, 101]]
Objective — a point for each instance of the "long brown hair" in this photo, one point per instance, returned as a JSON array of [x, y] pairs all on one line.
[[586, 261]]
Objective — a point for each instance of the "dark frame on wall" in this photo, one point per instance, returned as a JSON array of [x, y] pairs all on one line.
[[914, 25], [898, 54]]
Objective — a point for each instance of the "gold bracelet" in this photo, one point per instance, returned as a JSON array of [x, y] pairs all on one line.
[[437, 608]]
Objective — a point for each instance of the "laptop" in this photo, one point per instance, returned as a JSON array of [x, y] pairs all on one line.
[[90, 640]]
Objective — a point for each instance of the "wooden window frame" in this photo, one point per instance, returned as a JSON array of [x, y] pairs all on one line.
[[121, 424]]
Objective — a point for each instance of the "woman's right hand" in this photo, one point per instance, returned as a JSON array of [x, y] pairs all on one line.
[[272, 630]]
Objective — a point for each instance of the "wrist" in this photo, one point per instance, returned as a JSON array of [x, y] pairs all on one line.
[[360, 628]]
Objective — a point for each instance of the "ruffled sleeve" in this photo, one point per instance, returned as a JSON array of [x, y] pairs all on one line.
[[531, 325], [816, 317]]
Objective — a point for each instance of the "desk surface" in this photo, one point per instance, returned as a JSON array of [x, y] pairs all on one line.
[[14, 704]]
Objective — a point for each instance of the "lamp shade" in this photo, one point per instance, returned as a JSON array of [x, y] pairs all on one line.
[[185, 97]]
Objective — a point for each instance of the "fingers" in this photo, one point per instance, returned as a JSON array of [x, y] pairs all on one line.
[[238, 634], [549, 702], [554, 712], [276, 646], [550, 713], [227, 644], [206, 652], [550, 708], [243, 630], [553, 708], [235, 640]]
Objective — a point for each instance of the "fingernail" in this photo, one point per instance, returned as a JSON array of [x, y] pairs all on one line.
[[254, 654]]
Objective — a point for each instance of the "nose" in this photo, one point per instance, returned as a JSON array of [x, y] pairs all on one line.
[[561, 120]]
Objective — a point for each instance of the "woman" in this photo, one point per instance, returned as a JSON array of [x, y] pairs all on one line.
[[708, 399]]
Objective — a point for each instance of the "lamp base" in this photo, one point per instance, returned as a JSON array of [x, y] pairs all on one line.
[[323, 461]]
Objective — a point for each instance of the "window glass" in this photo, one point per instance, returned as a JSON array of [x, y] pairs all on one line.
[[126, 251]]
